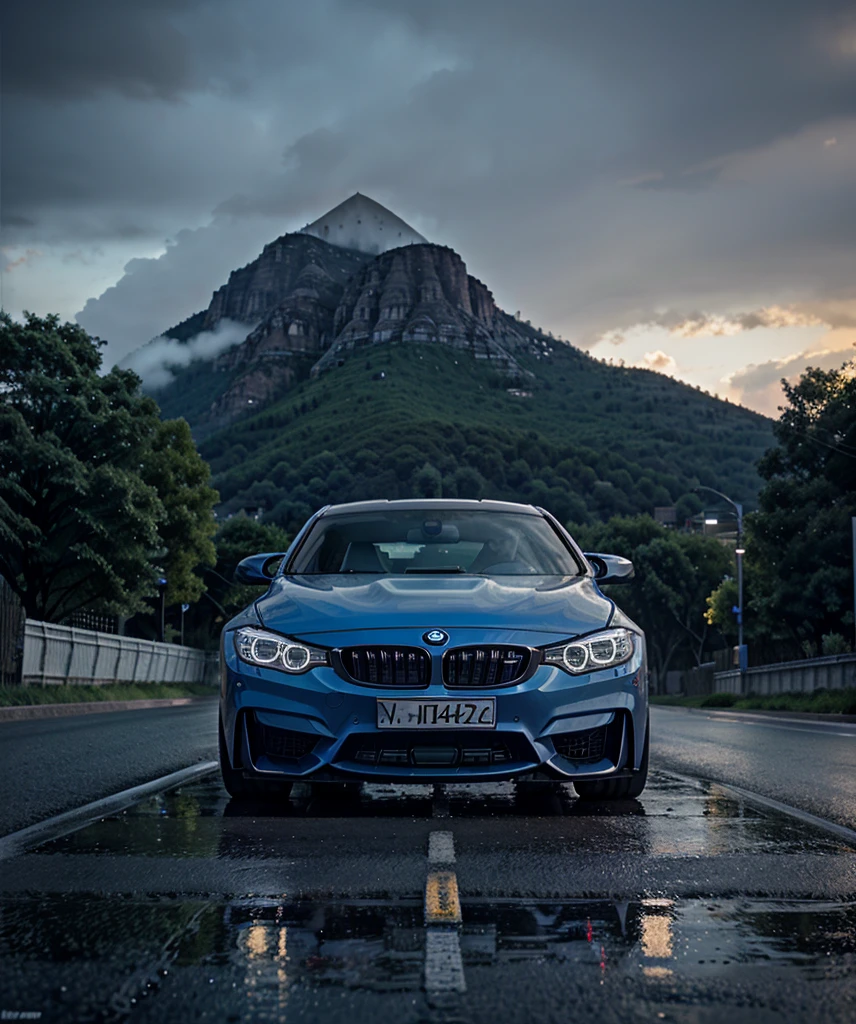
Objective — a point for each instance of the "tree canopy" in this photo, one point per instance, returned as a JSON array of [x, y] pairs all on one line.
[[172, 466], [798, 569], [98, 496], [591, 442], [236, 538], [675, 573]]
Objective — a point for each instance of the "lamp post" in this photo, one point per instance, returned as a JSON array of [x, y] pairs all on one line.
[[740, 551], [162, 592]]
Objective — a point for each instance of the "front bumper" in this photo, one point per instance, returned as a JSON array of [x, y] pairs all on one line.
[[321, 727]]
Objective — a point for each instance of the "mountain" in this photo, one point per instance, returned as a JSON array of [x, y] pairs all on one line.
[[421, 293], [361, 224], [584, 439], [374, 369]]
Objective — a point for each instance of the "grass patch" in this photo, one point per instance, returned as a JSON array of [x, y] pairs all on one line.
[[829, 702], [11, 696]]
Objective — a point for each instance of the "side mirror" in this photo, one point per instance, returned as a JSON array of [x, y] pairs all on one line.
[[258, 568], [610, 568]]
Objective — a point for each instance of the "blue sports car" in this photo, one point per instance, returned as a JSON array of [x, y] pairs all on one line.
[[433, 641]]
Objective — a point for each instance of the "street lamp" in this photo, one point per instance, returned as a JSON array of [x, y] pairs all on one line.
[[740, 551], [162, 592]]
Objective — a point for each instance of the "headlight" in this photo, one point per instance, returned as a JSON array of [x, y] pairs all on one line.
[[257, 647], [606, 649]]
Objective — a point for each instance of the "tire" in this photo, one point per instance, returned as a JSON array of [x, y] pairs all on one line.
[[239, 787], [619, 789]]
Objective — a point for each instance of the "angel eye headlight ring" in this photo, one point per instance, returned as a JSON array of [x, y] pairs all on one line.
[[605, 649], [267, 650]]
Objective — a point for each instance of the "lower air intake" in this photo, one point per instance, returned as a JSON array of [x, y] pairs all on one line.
[[285, 743], [582, 747]]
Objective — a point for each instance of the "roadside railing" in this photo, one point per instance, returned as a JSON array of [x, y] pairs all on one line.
[[835, 672], [60, 655]]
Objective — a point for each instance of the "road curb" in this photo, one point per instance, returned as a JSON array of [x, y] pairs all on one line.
[[18, 842], [842, 831], [23, 712], [805, 716]]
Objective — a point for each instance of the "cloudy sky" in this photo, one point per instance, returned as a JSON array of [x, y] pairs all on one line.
[[666, 182]]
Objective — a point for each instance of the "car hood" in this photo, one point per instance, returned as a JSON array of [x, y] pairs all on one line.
[[300, 605]]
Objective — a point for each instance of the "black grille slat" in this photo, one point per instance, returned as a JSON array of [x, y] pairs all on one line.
[[388, 666], [582, 747], [484, 667]]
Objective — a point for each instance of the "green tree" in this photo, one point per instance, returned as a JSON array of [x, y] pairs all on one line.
[[428, 482], [172, 466], [78, 522], [675, 573], [798, 565], [720, 605], [88, 477], [238, 538]]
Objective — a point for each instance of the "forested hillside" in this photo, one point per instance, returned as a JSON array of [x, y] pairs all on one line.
[[582, 438]]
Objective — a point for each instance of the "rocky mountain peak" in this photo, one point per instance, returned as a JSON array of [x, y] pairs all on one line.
[[420, 293], [357, 277], [361, 224]]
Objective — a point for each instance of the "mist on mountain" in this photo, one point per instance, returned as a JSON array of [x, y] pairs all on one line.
[[157, 361]]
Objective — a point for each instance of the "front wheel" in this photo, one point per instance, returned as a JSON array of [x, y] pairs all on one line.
[[619, 789], [239, 787]]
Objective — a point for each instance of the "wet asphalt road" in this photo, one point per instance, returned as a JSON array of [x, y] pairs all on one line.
[[50, 765], [807, 764], [687, 905]]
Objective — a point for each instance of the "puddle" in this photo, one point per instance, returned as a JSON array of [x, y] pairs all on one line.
[[250, 959], [671, 818], [311, 951]]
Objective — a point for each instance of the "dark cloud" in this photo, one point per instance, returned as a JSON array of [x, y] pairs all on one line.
[[591, 161], [14, 220], [66, 50], [693, 81], [681, 181]]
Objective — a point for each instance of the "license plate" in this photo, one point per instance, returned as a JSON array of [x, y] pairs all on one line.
[[436, 714]]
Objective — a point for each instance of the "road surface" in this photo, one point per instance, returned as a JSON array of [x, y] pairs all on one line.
[[804, 763], [445, 904], [50, 765]]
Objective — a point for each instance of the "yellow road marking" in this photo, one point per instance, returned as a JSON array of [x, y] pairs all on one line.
[[442, 902]]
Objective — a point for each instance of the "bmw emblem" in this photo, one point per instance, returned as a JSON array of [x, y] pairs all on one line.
[[436, 637]]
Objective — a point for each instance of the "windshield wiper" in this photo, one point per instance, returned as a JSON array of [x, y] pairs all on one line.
[[448, 569]]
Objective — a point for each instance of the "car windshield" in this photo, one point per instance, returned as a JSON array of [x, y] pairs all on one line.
[[477, 542]]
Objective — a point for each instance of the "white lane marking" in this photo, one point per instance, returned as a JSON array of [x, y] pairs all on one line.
[[441, 848], [444, 968], [817, 732], [848, 834], [829, 729], [771, 721], [61, 824]]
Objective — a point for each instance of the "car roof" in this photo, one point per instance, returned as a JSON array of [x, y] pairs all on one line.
[[430, 505]]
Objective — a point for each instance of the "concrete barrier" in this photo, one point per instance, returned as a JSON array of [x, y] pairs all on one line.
[[59, 655]]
